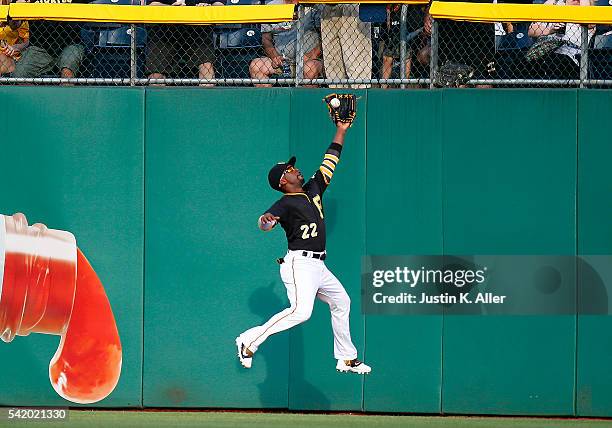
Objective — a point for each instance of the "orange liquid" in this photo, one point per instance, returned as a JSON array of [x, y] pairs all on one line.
[[87, 364], [42, 295], [37, 295]]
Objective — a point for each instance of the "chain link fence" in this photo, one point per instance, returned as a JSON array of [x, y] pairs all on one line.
[[339, 45], [527, 54]]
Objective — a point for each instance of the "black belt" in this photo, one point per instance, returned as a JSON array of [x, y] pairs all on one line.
[[320, 256], [312, 254]]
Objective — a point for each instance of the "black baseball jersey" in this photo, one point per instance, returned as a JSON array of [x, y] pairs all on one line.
[[301, 214]]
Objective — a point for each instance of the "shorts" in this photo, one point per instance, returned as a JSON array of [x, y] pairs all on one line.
[[393, 51], [36, 61], [171, 48]]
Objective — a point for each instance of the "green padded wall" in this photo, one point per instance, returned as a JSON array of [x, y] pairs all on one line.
[[163, 187], [313, 380], [594, 380], [509, 179], [404, 216], [210, 272], [72, 159]]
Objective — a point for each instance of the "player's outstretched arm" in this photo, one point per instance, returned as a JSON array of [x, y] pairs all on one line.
[[341, 129], [332, 155]]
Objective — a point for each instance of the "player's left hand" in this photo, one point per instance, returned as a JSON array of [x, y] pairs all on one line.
[[342, 108], [343, 125]]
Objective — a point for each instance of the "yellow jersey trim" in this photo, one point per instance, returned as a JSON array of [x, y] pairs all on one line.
[[298, 194], [331, 157]]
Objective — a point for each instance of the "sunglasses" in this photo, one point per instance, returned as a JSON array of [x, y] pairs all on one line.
[[289, 169]]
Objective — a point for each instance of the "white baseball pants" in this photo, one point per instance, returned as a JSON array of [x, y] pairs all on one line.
[[306, 278]]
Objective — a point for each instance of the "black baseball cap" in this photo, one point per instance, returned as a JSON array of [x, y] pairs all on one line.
[[276, 172]]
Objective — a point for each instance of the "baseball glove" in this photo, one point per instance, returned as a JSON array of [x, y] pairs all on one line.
[[453, 75], [342, 107], [543, 46]]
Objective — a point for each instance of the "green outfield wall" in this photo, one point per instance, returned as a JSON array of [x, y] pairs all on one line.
[[163, 187]]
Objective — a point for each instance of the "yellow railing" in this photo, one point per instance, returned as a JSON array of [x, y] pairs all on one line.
[[488, 12], [365, 1], [149, 14], [481, 12]]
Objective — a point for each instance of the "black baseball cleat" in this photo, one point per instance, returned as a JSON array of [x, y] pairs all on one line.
[[355, 366]]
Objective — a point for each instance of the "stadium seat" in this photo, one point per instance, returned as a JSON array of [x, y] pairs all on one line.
[[373, 12], [600, 58], [510, 53], [107, 49], [242, 38], [236, 49], [107, 45]]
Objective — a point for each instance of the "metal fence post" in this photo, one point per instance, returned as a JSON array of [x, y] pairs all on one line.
[[584, 55], [404, 15], [133, 65], [433, 58], [299, 48]]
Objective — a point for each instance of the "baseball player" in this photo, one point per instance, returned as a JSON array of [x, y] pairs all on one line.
[[300, 213]]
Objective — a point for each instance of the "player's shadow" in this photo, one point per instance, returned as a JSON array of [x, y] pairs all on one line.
[[265, 303], [307, 391], [592, 291]]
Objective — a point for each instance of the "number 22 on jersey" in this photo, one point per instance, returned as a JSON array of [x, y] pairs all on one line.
[[309, 230]]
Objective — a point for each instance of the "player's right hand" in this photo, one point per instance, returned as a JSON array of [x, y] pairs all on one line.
[[267, 222], [269, 218]]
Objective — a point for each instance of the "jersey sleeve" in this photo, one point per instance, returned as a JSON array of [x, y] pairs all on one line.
[[324, 174]]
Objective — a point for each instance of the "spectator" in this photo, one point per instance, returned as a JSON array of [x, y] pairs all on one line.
[[14, 37], [54, 46], [563, 62], [193, 44], [279, 43], [392, 38], [423, 55], [347, 44]]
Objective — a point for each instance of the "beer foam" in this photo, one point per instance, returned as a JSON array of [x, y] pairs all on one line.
[[43, 246]]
